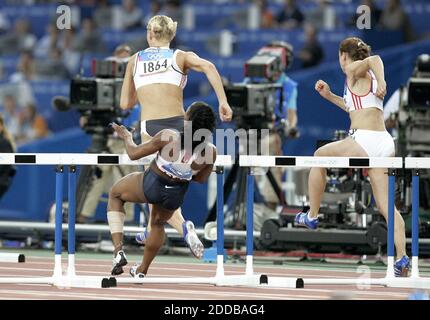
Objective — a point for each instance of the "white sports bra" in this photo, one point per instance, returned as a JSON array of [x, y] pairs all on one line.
[[157, 65], [369, 100]]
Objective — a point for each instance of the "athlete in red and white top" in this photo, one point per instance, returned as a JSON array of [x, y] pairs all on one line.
[[365, 89]]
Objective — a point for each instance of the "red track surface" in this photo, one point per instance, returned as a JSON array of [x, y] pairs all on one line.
[[38, 266]]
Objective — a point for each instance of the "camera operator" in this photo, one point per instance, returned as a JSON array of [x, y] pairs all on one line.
[[106, 175], [285, 119], [400, 96]]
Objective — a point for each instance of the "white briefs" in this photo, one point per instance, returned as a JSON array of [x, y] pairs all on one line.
[[375, 143]]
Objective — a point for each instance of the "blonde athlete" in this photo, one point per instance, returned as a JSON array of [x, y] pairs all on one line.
[[155, 78]]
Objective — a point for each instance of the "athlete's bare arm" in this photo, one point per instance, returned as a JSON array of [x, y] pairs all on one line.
[[194, 62], [136, 152], [204, 174], [324, 90], [358, 69], [128, 91]]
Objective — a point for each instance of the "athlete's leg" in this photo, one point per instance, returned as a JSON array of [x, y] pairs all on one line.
[[159, 217], [317, 177], [379, 182], [127, 189]]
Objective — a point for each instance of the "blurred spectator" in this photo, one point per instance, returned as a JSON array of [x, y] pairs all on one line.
[[172, 9], [127, 16], [123, 51], [4, 23], [7, 145], [375, 14], [89, 40], [71, 57], [290, 17], [155, 9], [266, 15], [48, 41], [52, 67], [31, 125], [25, 69], [103, 14], [312, 52], [324, 16], [11, 115], [394, 18], [18, 40]]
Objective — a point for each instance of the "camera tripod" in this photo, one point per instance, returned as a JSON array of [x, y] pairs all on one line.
[[99, 144], [237, 176]]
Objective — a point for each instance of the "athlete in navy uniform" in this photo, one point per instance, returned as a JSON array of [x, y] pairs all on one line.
[[164, 183]]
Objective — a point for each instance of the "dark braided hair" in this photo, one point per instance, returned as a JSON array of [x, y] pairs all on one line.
[[201, 115]]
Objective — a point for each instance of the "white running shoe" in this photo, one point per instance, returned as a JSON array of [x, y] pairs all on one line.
[[134, 274], [118, 262], [192, 240]]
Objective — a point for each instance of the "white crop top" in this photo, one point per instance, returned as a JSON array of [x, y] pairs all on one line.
[[157, 65], [369, 100], [179, 169]]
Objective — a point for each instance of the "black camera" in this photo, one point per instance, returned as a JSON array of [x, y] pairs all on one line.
[[102, 92], [270, 61], [98, 98], [414, 111]]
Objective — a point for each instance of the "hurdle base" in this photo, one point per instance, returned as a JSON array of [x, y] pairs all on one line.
[[167, 280], [409, 282], [12, 257], [82, 282], [281, 282], [238, 280], [24, 280]]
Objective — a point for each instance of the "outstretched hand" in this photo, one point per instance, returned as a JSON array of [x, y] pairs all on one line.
[[121, 131]]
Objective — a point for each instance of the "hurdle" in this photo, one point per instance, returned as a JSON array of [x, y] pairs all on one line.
[[66, 278], [248, 279], [392, 163]]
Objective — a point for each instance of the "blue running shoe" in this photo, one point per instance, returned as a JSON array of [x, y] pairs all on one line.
[[192, 240], [402, 266], [302, 219], [142, 236]]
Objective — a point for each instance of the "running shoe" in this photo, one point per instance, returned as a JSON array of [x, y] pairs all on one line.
[[134, 274], [118, 262], [142, 236], [401, 267], [302, 219], [192, 240]]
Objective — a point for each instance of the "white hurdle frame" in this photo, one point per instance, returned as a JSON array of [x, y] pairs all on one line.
[[59, 160], [70, 279], [391, 163]]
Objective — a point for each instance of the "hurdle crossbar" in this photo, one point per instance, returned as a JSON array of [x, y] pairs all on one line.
[[391, 163]]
